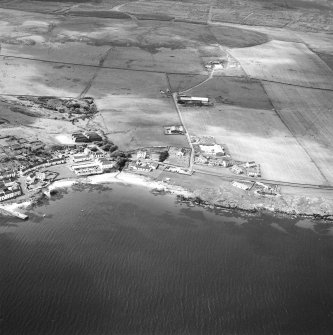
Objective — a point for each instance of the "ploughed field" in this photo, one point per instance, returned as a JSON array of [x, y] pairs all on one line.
[[272, 100]]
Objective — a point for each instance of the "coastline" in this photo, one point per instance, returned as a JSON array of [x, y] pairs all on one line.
[[183, 194]]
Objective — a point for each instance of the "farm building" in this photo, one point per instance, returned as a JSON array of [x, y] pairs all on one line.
[[174, 130], [141, 154], [188, 100], [215, 64], [214, 149]]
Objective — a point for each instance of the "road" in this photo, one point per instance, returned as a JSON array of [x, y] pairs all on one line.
[[174, 97], [268, 181]]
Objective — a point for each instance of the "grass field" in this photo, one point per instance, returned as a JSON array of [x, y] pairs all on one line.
[[133, 111], [191, 12], [27, 77], [308, 114], [299, 15], [186, 60], [291, 63]]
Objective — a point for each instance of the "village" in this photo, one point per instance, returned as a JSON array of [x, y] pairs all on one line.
[[28, 166]]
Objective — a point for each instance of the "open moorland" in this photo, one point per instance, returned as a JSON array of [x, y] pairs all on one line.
[[271, 98]]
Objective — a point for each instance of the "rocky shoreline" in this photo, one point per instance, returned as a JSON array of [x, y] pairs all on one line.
[[218, 205], [197, 201]]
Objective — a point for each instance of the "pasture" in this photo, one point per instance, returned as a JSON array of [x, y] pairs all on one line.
[[291, 63], [133, 112], [179, 10], [29, 77], [308, 114]]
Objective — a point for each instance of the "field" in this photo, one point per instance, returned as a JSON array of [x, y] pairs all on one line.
[[29, 77], [233, 37], [133, 110], [308, 114], [177, 9], [254, 134], [294, 14], [165, 60], [291, 63]]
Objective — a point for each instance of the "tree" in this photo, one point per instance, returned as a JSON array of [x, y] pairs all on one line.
[[121, 163], [113, 148], [163, 156]]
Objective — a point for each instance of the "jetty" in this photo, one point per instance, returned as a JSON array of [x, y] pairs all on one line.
[[14, 213]]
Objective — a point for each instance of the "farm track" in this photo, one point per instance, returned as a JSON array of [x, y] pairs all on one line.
[[211, 74], [100, 65]]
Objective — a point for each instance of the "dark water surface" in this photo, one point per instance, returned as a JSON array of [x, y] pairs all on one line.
[[135, 263]]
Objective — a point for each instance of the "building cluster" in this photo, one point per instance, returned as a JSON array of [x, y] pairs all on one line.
[[93, 160], [258, 188], [15, 152], [269, 190], [142, 165], [50, 162], [178, 156], [86, 137], [208, 152], [216, 65], [251, 169], [9, 189], [174, 130], [173, 159]]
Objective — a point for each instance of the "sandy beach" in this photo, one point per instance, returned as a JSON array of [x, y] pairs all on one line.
[[133, 179]]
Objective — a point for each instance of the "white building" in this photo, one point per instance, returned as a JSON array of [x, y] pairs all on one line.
[[242, 186], [184, 99], [87, 169], [141, 154], [106, 163], [214, 149], [80, 158]]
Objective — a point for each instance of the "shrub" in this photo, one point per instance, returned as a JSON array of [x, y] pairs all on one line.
[[163, 156]]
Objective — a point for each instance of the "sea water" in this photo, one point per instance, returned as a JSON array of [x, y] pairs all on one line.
[[119, 260]]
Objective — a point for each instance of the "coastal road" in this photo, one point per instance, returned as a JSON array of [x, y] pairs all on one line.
[[268, 181]]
